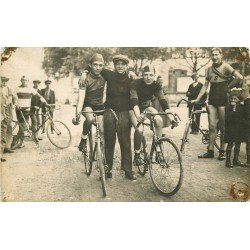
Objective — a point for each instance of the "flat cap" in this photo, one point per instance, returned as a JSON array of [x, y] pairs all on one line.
[[36, 81], [121, 58], [48, 82], [4, 79]]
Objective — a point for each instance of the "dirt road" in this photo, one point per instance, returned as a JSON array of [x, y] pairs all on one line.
[[45, 173]]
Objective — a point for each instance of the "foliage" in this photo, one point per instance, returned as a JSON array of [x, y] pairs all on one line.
[[144, 55], [60, 62]]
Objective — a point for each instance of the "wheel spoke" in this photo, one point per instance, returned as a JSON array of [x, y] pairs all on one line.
[[167, 177]]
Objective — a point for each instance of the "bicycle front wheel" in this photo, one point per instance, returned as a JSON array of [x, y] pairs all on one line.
[[166, 174], [142, 169], [58, 134], [185, 136], [101, 166], [88, 153]]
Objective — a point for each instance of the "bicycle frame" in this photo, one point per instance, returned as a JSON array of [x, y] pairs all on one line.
[[152, 127], [97, 138]]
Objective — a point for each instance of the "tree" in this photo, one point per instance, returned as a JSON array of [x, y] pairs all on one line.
[[60, 62], [195, 58], [140, 55]]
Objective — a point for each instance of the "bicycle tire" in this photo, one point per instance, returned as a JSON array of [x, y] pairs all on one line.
[[184, 139], [62, 136], [205, 138], [142, 169], [87, 154], [101, 166], [172, 165]]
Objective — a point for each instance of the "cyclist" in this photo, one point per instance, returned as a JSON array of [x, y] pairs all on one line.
[[90, 97], [141, 94], [24, 95], [221, 76]]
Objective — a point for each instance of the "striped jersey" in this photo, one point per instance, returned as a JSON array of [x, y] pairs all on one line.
[[24, 95]]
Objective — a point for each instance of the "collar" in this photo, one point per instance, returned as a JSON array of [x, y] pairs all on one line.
[[217, 65]]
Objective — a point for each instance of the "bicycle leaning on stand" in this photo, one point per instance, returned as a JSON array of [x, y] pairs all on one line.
[[167, 173], [58, 132]]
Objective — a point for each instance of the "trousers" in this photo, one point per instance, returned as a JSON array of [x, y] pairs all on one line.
[[122, 130]]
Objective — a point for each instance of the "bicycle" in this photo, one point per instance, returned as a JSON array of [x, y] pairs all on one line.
[[95, 151], [166, 176], [204, 132], [57, 132]]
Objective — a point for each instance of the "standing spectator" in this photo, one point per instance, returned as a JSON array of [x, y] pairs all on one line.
[[49, 95], [221, 76], [8, 99], [35, 108], [234, 128], [192, 93], [24, 94]]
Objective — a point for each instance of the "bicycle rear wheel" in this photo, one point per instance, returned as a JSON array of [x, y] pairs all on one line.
[[184, 139], [58, 134], [100, 161], [88, 153], [142, 169], [167, 175]]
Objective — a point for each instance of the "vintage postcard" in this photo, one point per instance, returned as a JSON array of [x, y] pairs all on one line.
[[125, 124]]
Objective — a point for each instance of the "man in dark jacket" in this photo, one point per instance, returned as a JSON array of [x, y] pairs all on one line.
[[49, 95], [192, 93], [35, 107]]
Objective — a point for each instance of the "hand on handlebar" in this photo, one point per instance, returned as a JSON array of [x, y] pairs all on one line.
[[174, 123], [140, 118], [194, 101]]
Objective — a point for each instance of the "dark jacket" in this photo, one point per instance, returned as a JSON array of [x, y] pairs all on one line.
[[193, 93], [50, 99]]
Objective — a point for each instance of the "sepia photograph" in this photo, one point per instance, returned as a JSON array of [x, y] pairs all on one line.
[[125, 124]]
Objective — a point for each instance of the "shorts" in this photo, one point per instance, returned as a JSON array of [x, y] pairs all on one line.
[[94, 108], [216, 102]]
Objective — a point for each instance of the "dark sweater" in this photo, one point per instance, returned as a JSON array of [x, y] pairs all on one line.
[[35, 100], [141, 94], [118, 90]]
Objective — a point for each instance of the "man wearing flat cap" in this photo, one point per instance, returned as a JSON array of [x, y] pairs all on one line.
[[35, 107], [49, 95], [8, 99], [117, 99]]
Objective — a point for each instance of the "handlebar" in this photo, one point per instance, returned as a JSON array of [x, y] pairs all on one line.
[[75, 122], [100, 112], [146, 113], [182, 100]]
